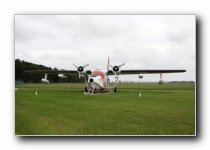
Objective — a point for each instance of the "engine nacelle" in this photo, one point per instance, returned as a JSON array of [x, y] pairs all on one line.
[[62, 76], [161, 82], [81, 69], [45, 81], [141, 76], [116, 69]]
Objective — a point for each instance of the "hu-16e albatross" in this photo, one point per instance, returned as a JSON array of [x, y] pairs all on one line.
[[98, 79]]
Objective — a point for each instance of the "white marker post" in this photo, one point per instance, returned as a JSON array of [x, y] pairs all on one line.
[[36, 92], [140, 77], [140, 94]]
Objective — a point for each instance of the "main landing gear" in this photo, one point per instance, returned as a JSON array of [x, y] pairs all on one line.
[[86, 89], [94, 91], [115, 89], [115, 84]]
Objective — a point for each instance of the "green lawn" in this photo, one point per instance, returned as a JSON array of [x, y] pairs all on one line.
[[63, 109]]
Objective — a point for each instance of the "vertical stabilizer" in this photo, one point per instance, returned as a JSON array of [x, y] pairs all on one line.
[[108, 64], [107, 80]]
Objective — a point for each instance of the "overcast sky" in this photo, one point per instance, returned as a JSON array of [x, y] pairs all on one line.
[[139, 41]]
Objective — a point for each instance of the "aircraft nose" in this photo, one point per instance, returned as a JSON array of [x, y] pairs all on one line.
[[91, 80]]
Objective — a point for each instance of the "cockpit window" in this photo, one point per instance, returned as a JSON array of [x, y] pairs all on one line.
[[94, 75]]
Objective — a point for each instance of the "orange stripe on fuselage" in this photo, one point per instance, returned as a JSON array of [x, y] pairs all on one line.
[[100, 73]]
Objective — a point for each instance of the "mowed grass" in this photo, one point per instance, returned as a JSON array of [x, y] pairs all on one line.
[[63, 109]]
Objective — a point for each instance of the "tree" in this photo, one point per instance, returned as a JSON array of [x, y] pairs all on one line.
[[22, 66]]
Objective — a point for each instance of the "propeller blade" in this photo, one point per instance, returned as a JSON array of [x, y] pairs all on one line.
[[110, 65], [115, 69], [75, 66], [80, 69], [85, 65], [121, 65]]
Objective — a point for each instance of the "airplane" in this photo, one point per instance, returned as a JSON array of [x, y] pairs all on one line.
[[98, 80]]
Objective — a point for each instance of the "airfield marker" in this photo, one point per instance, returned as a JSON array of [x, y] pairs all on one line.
[[36, 92], [140, 94]]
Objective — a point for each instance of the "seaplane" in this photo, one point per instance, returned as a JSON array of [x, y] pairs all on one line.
[[98, 80]]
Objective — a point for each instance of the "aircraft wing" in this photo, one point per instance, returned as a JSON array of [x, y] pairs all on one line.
[[148, 71], [110, 71], [55, 71]]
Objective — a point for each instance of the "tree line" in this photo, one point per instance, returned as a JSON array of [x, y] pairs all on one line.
[[20, 75]]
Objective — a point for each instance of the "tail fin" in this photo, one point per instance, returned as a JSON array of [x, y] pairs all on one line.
[[107, 81], [108, 64]]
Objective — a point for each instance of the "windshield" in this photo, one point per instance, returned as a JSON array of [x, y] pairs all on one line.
[[94, 75]]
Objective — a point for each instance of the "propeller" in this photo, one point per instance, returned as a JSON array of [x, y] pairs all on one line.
[[80, 69], [115, 69]]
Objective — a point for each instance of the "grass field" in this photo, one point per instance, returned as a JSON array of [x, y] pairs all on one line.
[[63, 109]]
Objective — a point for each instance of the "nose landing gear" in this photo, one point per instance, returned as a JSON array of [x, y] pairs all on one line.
[[90, 90]]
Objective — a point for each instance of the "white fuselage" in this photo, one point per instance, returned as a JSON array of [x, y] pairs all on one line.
[[98, 79]]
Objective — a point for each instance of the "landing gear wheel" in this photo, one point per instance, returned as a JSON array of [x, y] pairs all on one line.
[[86, 89], [95, 90], [115, 89]]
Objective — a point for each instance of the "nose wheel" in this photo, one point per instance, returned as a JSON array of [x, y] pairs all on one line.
[[91, 90], [94, 91]]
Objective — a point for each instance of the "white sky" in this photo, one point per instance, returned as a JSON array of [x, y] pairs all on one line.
[[139, 41]]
